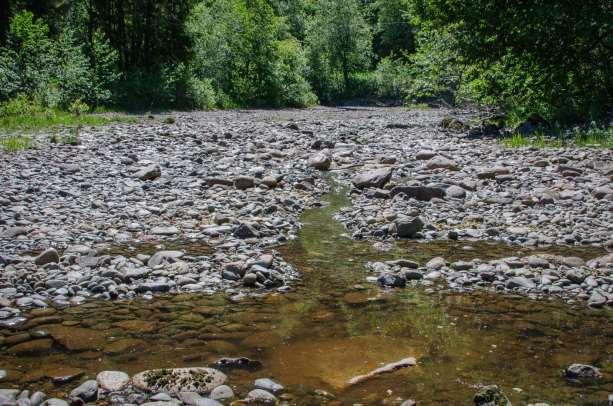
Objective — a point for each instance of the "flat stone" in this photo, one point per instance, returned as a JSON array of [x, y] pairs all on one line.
[[124, 345], [112, 381], [520, 282], [376, 178], [222, 392], [137, 326], [76, 338], [244, 182], [33, 347], [170, 230], [87, 391], [321, 161], [260, 396], [13, 232], [268, 384], [161, 257], [423, 193]]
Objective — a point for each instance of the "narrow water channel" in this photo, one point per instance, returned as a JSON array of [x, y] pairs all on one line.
[[333, 326]]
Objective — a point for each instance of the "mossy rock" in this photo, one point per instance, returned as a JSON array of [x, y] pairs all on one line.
[[491, 395], [175, 380]]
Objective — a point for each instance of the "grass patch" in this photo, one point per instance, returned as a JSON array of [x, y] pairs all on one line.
[[58, 118], [592, 136], [418, 106], [14, 143]]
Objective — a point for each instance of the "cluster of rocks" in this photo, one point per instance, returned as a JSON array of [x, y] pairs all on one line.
[[568, 277], [460, 187], [196, 386], [81, 273], [234, 184]]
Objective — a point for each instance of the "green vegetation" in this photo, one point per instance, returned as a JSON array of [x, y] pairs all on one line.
[[592, 136], [531, 60], [14, 143], [21, 113]]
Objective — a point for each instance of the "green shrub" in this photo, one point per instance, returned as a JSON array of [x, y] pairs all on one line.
[[392, 79], [242, 51], [55, 73], [547, 59], [78, 107], [18, 106], [200, 93], [292, 87]]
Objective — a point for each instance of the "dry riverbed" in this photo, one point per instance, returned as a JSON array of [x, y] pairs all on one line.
[[210, 202]]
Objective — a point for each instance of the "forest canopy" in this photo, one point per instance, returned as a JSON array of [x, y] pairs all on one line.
[[533, 58]]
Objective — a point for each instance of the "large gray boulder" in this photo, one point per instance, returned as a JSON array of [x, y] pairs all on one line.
[[376, 178], [48, 256], [320, 161]]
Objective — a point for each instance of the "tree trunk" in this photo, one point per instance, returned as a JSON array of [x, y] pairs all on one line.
[[345, 67], [5, 10]]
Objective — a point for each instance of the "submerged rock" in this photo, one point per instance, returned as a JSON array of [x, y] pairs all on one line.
[[582, 374], [491, 395], [388, 368]]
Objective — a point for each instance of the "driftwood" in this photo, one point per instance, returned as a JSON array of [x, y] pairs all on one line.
[[403, 363]]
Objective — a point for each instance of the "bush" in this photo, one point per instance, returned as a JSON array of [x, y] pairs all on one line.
[[435, 69], [200, 93], [293, 89], [19, 106], [339, 45], [144, 89], [392, 79]]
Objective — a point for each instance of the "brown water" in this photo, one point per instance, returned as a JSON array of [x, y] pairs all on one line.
[[329, 329]]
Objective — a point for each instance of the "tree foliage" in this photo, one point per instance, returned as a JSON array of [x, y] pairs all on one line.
[[553, 59], [238, 46], [339, 45], [530, 58]]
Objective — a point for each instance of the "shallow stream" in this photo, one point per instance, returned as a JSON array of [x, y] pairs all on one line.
[[333, 326]]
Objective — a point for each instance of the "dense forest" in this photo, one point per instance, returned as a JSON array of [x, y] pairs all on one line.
[[535, 59]]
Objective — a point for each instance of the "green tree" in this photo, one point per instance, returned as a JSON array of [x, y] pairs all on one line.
[[393, 31], [238, 47], [339, 43], [551, 59]]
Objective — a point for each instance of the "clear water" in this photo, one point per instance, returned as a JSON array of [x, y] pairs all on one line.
[[334, 326]]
